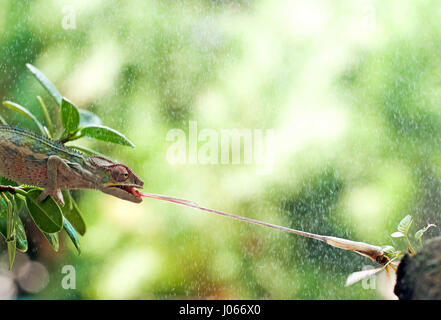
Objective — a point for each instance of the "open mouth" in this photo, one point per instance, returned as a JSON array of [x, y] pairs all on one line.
[[125, 192], [132, 190]]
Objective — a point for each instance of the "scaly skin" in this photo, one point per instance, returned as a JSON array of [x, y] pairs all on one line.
[[28, 158]]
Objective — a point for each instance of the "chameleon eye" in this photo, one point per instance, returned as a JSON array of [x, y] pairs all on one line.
[[120, 174]]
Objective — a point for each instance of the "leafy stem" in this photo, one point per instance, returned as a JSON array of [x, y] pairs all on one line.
[[10, 229], [409, 245], [70, 137], [403, 232], [46, 116]]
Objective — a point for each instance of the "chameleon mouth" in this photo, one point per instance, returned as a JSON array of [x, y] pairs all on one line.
[[125, 192], [132, 190]]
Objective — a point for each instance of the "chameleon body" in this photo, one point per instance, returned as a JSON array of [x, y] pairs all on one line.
[[29, 158]]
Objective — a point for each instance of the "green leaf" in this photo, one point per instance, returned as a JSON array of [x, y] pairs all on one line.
[[397, 234], [10, 227], [47, 132], [88, 118], [389, 250], [25, 112], [3, 218], [52, 238], [45, 82], [20, 233], [7, 182], [73, 214], [70, 116], [49, 124], [46, 215], [106, 134], [3, 121], [419, 233], [405, 224], [11, 252], [72, 234]]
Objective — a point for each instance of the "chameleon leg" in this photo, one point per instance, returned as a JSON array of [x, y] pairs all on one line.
[[54, 165]]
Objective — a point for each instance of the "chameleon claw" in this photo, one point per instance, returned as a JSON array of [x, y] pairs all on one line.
[[58, 196], [55, 194], [43, 196]]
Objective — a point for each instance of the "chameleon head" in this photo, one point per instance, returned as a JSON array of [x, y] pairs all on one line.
[[117, 179]]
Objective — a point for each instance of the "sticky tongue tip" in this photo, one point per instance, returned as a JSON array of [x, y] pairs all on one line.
[[135, 192]]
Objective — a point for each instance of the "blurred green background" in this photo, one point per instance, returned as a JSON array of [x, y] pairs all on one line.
[[352, 90]]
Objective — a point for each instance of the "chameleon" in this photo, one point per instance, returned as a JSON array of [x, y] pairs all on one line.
[[29, 158]]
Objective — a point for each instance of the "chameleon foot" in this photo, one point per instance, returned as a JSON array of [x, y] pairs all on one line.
[[55, 194]]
